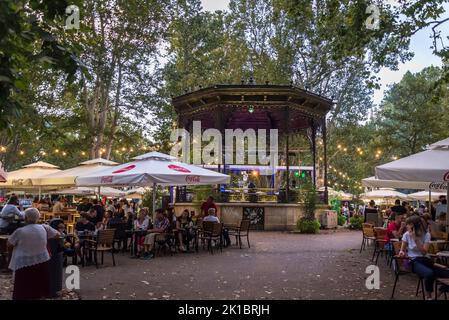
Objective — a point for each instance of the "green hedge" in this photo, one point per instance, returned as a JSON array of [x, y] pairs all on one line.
[[356, 222], [305, 225], [341, 219]]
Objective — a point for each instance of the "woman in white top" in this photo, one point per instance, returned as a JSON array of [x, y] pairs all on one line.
[[30, 258], [415, 244]]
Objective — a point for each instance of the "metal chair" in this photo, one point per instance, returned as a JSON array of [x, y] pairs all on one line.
[[241, 231]]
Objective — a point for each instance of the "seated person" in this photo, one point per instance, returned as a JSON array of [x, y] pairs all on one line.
[[115, 219], [84, 224], [395, 229], [140, 224], [9, 214], [211, 217], [184, 226], [415, 246], [103, 225], [69, 247], [161, 225]]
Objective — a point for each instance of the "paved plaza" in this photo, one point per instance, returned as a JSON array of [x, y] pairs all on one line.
[[278, 265]]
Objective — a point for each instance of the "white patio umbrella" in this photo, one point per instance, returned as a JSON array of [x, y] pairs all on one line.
[[346, 196], [24, 177], [384, 193], [430, 165], [67, 177], [373, 182], [136, 193], [89, 191], [337, 194], [424, 195], [152, 169]]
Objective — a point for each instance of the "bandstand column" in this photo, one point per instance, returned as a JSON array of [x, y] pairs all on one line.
[[219, 123], [326, 196], [314, 151], [287, 162]]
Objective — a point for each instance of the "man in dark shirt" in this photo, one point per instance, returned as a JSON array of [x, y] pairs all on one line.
[[398, 208], [83, 224], [84, 206], [99, 212]]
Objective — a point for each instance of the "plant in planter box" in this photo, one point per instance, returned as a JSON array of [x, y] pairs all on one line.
[[308, 197], [356, 222]]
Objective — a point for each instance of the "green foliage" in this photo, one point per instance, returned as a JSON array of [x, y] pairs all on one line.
[[308, 199], [341, 219], [356, 222], [201, 193], [304, 225], [30, 37], [147, 199]]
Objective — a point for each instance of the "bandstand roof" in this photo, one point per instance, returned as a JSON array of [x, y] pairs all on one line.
[[252, 106]]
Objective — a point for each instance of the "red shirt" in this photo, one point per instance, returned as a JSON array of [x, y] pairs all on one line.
[[392, 226], [206, 206]]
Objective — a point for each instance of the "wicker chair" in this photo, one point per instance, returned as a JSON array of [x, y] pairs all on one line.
[[367, 235], [379, 244], [104, 243]]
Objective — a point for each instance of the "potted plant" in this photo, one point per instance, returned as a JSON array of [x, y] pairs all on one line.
[[308, 223]]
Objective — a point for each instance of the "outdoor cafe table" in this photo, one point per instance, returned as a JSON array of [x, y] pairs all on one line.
[[444, 255], [437, 246]]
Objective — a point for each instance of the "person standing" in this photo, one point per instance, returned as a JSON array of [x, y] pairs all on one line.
[[30, 258], [398, 208], [99, 212], [441, 207], [371, 213], [59, 205], [345, 211]]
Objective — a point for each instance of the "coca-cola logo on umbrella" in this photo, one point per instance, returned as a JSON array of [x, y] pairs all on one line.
[[178, 168], [446, 176], [124, 169], [107, 179], [193, 179]]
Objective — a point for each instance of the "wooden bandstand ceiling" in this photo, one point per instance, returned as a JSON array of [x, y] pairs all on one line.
[[229, 106]]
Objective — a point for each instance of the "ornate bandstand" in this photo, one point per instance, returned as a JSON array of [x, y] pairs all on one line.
[[290, 110]]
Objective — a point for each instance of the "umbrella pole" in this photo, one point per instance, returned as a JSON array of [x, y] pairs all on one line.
[[40, 193], [430, 202], [99, 193], [447, 208], [154, 201]]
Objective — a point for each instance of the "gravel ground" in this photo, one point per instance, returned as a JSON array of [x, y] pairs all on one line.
[[277, 266]]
